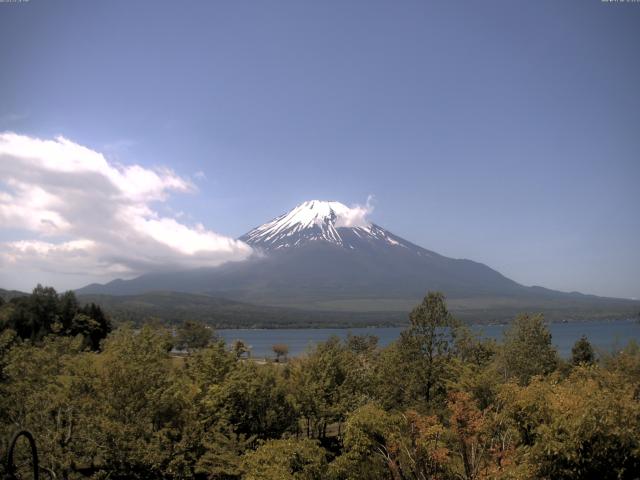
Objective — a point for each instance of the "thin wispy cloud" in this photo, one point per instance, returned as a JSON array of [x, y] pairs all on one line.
[[82, 214], [120, 145]]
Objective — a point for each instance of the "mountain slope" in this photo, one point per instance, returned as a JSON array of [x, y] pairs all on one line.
[[326, 256], [7, 295]]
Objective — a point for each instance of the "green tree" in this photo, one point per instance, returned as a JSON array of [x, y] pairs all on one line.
[[192, 335], [527, 349], [585, 426], [100, 331], [472, 348], [582, 352], [366, 444], [8, 340], [626, 363], [239, 348], [86, 326], [43, 306], [286, 459], [68, 308], [222, 458], [320, 384], [475, 366], [141, 408], [45, 312], [253, 398], [34, 316], [361, 344], [426, 349], [210, 366], [48, 390]]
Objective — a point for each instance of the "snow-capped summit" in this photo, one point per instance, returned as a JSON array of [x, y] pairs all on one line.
[[320, 221]]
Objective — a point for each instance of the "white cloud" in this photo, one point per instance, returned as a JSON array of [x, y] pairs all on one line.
[[85, 215], [355, 216]]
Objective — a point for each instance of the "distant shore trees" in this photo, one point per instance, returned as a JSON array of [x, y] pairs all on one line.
[[46, 312]]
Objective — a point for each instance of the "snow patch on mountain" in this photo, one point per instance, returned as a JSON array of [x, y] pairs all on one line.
[[317, 220], [316, 212]]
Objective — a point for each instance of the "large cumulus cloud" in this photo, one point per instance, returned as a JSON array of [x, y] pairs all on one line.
[[76, 213]]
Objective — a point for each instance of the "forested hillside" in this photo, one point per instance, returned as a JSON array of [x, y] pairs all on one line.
[[436, 404], [174, 307]]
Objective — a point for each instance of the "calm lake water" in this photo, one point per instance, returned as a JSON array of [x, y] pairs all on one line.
[[607, 336]]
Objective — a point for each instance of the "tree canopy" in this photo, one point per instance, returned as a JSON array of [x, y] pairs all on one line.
[[439, 403], [45, 312]]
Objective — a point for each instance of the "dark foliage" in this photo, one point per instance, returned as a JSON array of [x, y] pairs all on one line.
[[582, 352], [45, 312]]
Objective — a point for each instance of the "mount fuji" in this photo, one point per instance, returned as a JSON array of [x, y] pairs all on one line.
[[318, 221], [325, 256]]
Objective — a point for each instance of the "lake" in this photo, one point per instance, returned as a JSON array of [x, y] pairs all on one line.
[[603, 335]]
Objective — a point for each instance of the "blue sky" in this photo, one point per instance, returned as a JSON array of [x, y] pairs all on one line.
[[505, 132]]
